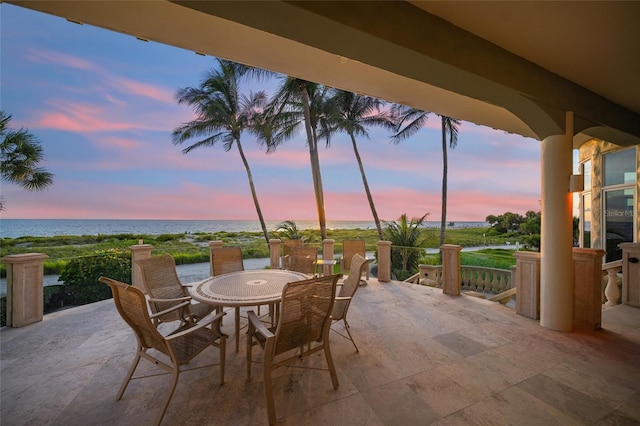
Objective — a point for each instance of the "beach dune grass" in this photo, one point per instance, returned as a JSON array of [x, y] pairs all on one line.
[[194, 247]]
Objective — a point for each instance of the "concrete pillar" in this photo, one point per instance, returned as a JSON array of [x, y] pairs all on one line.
[[213, 245], [327, 254], [587, 288], [25, 280], [631, 274], [274, 253], [384, 261], [451, 269], [141, 251], [528, 284], [556, 266]]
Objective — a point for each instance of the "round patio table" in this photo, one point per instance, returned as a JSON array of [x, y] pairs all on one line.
[[244, 288]]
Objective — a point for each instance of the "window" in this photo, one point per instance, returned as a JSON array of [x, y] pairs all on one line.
[[618, 201]]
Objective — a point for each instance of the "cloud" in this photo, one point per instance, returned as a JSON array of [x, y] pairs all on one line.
[[128, 86], [59, 58]]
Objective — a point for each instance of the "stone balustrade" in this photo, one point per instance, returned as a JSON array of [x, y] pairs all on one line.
[[611, 272], [485, 280]]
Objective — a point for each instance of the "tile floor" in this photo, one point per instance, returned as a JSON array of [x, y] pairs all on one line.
[[425, 358]]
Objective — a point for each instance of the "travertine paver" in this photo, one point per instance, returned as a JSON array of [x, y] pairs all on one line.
[[425, 358]]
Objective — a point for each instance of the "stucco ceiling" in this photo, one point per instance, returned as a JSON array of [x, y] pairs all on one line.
[[595, 44]]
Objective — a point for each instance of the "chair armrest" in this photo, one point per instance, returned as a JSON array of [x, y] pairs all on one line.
[[258, 325], [177, 299], [171, 309], [209, 319]]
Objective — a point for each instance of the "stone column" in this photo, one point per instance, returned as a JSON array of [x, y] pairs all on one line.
[[587, 288], [556, 265], [528, 284], [213, 245], [141, 251], [327, 254], [631, 273], [274, 253], [451, 269], [25, 280], [384, 261]]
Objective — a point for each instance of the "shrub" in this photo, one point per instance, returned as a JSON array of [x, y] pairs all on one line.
[[81, 274]]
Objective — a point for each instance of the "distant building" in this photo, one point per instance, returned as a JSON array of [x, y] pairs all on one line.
[[609, 203]]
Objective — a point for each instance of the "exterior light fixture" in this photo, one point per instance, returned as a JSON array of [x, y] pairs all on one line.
[[74, 21], [143, 39], [576, 183]]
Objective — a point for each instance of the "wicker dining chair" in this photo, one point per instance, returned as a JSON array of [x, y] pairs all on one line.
[[349, 249], [223, 261], [303, 259], [346, 291], [160, 281], [181, 345], [304, 324], [287, 247]]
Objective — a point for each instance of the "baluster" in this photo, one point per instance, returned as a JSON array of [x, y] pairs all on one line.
[[612, 292]]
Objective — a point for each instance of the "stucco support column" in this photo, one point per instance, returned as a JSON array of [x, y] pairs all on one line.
[[451, 269], [140, 251], [327, 254], [556, 265], [274, 253], [25, 280], [528, 284], [213, 245], [587, 288], [384, 261], [631, 274]]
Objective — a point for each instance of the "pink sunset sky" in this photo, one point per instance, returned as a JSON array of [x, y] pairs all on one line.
[[102, 105]]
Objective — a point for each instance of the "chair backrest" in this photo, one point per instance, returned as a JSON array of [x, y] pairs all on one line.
[[349, 286], [226, 259], [132, 306], [160, 279], [350, 248], [305, 315], [287, 247], [303, 259]]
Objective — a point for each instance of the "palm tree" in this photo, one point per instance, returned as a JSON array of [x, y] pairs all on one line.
[[415, 119], [354, 113], [405, 236], [20, 155], [299, 102], [449, 127], [223, 115]]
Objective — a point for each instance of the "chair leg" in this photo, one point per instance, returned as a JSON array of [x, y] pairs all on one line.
[[223, 356], [249, 350], [174, 380], [133, 367], [237, 329], [332, 368], [346, 327], [268, 391]]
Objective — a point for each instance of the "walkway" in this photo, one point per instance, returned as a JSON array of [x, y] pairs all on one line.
[[425, 358]]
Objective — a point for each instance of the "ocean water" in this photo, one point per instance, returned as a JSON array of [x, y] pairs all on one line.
[[14, 228]]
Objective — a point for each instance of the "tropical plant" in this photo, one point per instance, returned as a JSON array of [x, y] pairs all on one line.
[[405, 237], [353, 114], [288, 229], [81, 274], [223, 115], [20, 156], [299, 102], [410, 120]]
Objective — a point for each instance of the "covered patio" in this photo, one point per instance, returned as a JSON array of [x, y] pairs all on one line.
[[425, 358]]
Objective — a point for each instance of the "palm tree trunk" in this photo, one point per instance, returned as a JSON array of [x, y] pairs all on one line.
[[315, 162], [253, 190], [443, 217], [366, 187]]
